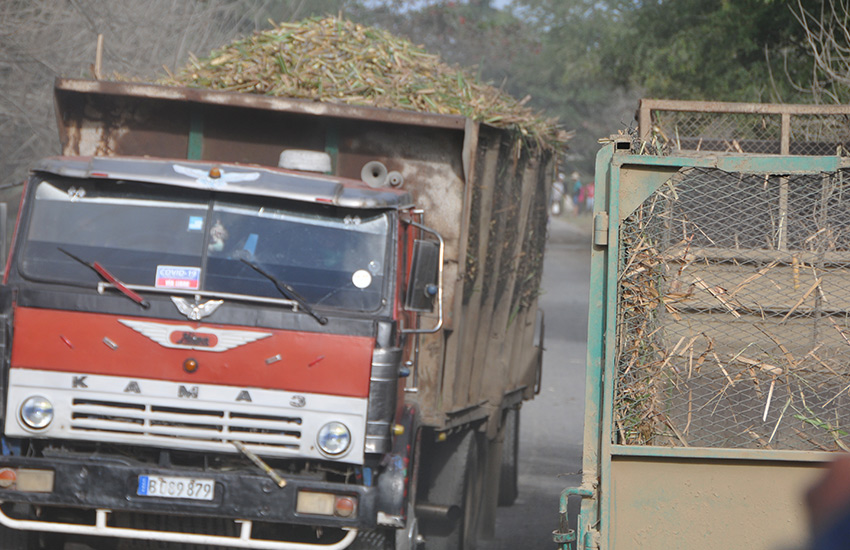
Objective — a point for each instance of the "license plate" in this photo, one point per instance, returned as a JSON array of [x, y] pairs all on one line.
[[176, 487]]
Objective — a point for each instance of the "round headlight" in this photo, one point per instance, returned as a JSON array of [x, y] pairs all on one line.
[[37, 412], [334, 438]]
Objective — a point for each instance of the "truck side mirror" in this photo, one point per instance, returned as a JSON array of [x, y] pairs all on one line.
[[422, 286], [4, 234], [425, 285]]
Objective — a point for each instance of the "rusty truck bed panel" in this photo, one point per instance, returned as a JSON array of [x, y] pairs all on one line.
[[482, 188]]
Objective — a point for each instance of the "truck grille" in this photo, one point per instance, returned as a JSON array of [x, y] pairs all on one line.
[[198, 418], [155, 421]]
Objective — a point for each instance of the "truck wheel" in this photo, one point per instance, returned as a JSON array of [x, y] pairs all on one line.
[[373, 539], [454, 481], [14, 539], [509, 472]]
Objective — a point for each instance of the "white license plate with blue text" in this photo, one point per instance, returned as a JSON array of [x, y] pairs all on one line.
[[176, 487]]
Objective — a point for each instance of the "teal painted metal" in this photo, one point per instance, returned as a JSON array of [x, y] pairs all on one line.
[[195, 150], [564, 539], [721, 454], [566, 536], [612, 260], [752, 164], [573, 491], [600, 229], [641, 182], [594, 381], [595, 357], [623, 182], [642, 175]]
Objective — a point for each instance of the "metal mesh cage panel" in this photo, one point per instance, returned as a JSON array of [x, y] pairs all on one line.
[[697, 131], [733, 326], [749, 133], [820, 135]]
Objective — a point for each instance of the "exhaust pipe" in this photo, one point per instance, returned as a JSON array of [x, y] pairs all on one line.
[[438, 513]]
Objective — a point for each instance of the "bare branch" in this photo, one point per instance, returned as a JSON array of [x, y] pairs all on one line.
[[827, 35], [44, 39]]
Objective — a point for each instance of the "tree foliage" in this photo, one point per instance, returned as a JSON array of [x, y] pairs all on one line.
[[598, 56], [41, 40], [585, 61], [710, 50]]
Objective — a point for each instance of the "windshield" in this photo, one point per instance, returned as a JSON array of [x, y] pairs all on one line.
[[168, 239]]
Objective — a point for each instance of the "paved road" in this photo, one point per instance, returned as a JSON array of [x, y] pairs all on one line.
[[551, 425]]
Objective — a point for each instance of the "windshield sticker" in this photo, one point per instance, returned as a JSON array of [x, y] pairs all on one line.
[[361, 278], [196, 223], [173, 276]]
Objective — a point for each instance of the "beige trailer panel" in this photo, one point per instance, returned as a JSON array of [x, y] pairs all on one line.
[[703, 504]]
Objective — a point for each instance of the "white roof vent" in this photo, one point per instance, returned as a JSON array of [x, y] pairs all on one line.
[[305, 161]]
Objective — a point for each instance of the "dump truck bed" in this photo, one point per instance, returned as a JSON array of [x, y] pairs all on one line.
[[483, 188]]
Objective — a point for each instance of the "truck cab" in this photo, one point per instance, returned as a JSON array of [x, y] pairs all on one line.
[[171, 319]]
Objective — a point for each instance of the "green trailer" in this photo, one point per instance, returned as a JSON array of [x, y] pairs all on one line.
[[718, 362]]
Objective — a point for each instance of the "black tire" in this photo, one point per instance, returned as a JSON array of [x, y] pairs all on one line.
[[374, 539], [14, 539], [509, 472], [455, 481]]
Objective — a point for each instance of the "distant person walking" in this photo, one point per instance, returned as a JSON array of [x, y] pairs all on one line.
[[589, 191], [576, 193], [558, 195]]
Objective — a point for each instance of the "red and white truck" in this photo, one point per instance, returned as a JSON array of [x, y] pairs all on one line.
[[204, 347]]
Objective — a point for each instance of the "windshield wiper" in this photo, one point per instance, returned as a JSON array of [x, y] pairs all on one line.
[[287, 291], [109, 277]]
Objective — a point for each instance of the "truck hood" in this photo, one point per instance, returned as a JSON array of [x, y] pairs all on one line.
[[144, 348]]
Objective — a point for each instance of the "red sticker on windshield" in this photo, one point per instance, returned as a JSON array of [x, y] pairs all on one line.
[[173, 276]]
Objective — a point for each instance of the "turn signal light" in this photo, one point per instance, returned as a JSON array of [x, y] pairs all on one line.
[[190, 365], [345, 507], [326, 504], [27, 480], [8, 477]]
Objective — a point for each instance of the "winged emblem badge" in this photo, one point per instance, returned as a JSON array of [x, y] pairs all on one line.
[[220, 179], [186, 337], [195, 312]]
